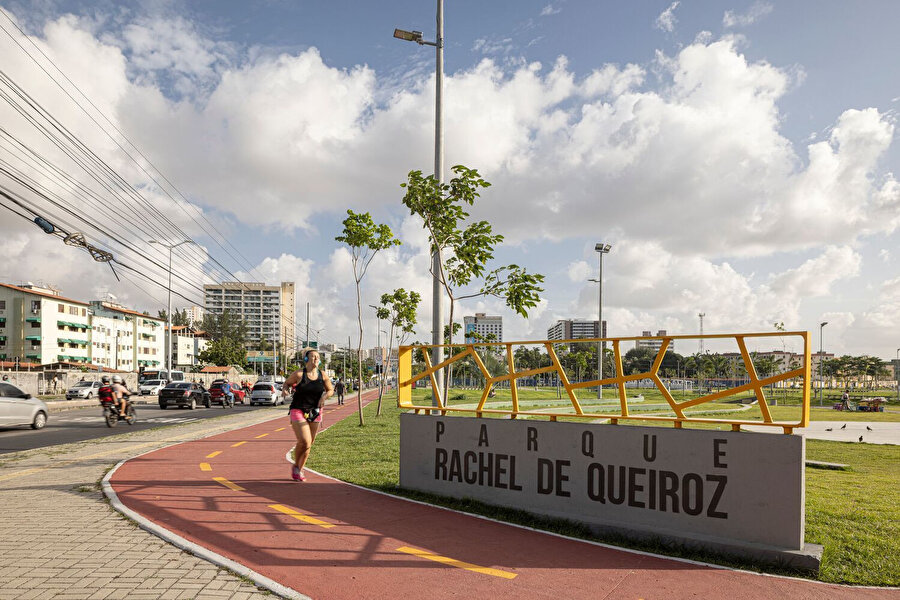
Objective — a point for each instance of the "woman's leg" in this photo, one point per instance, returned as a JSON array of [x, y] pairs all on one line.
[[304, 442]]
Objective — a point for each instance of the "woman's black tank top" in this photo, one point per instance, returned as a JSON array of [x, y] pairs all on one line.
[[308, 392]]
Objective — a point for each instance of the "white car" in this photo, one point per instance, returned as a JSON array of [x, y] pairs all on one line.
[[20, 408], [151, 387], [266, 392], [83, 389]]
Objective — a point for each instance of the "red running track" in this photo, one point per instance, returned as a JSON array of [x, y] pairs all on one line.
[[357, 553]]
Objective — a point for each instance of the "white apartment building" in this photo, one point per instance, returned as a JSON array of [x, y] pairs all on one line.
[[186, 345], [575, 329], [654, 344], [268, 310], [39, 325], [484, 325], [195, 315], [128, 340]]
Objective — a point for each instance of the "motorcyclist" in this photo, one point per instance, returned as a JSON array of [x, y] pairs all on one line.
[[106, 392], [120, 392]]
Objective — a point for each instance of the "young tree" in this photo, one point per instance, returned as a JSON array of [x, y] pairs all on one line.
[[399, 309], [223, 352], [365, 239], [463, 250]]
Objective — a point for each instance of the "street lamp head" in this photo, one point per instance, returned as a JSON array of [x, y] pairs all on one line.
[[409, 36], [823, 323], [602, 248]]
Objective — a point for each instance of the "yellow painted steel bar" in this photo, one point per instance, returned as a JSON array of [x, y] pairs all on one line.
[[804, 411], [623, 394], [512, 382], [434, 386], [741, 388], [561, 373], [754, 377], [755, 384]]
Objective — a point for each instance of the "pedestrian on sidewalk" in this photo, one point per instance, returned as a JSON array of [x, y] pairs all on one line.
[[311, 388], [339, 388]]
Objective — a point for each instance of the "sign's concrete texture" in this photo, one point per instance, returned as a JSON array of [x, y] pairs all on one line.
[[729, 488]]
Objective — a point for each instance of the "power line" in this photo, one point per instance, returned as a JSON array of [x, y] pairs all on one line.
[[83, 95], [100, 171]]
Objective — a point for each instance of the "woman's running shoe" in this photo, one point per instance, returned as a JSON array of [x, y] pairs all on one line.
[[296, 475]]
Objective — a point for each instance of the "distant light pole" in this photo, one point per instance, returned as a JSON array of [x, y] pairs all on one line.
[[601, 249], [169, 308], [897, 374], [821, 361], [437, 317]]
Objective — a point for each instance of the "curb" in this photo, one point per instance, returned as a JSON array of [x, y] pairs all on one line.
[[197, 550]]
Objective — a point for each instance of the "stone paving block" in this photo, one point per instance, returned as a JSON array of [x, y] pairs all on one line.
[[75, 536]]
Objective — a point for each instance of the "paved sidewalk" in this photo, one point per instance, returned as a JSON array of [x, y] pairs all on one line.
[[878, 432], [58, 535]]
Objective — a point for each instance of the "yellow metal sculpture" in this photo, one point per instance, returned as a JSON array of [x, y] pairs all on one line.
[[406, 381]]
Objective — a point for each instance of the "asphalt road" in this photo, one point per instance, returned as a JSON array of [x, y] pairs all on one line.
[[87, 424]]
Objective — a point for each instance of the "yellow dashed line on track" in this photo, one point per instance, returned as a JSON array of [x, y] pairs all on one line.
[[214, 454], [205, 467], [300, 516], [261, 436], [281, 429], [456, 563], [228, 484], [238, 444]]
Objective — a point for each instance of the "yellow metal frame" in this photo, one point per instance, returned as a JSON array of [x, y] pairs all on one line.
[[406, 380]]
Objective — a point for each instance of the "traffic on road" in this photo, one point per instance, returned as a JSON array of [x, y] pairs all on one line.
[[89, 423]]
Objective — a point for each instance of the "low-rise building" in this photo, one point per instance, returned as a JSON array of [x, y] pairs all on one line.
[[39, 325], [139, 338]]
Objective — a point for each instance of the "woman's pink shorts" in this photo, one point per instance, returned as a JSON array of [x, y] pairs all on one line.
[[299, 415]]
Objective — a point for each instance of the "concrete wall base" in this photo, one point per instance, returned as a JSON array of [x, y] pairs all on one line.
[[808, 559]]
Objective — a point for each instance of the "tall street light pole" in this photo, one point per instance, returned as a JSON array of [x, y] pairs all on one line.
[[169, 307], [601, 249], [437, 317], [821, 360]]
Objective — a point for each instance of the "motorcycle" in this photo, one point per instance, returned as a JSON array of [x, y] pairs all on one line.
[[111, 413]]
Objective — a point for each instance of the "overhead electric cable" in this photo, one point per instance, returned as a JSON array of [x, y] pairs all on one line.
[[162, 175], [117, 181]]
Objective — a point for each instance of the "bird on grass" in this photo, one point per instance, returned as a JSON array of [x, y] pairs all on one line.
[[869, 428], [844, 426], [860, 438]]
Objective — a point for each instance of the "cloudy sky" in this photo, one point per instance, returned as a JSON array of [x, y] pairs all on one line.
[[740, 157]]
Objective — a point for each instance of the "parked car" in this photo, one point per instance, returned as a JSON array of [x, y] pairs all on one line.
[[152, 387], [20, 408], [183, 393], [266, 392], [220, 392], [83, 389]]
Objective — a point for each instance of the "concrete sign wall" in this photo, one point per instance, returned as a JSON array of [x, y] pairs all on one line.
[[726, 487]]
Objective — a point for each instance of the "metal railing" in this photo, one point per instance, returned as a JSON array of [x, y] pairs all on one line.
[[755, 384]]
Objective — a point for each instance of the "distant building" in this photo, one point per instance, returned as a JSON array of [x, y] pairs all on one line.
[[654, 344], [575, 329], [126, 339], [187, 344], [195, 315], [268, 310], [483, 325]]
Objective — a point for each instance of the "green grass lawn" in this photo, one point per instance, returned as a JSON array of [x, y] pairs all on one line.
[[855, 514]]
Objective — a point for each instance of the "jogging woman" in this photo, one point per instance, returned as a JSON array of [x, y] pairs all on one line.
[[311, 388]]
